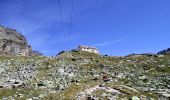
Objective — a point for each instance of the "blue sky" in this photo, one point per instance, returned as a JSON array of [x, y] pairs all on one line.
[[116, 27]]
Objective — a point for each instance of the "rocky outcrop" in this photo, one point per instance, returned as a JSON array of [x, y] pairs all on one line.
[[166, 51], [14, 43]]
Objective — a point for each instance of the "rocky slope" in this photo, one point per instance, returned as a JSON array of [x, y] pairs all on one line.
[[79, 75], [14, 43]]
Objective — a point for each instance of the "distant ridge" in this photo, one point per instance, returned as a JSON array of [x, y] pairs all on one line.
[[166, 51]]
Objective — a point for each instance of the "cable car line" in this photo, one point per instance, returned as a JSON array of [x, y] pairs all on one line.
[[71, 21], [61, 14]]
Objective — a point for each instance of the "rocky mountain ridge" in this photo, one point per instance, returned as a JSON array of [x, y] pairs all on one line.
[[14, 43], [166, 51]]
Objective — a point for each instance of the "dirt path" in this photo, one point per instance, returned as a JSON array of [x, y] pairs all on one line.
[[89, 91]]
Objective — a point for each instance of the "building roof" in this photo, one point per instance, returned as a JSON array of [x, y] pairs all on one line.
[[87, 47]]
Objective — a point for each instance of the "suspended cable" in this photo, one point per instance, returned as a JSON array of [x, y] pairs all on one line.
[[60, 13], [71, 21], [71, 17]]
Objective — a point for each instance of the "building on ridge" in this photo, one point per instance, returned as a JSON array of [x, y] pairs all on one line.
[[88, 49]]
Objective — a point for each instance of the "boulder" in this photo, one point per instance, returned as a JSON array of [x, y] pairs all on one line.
[[142, 77], [2, 70], [135, 98]]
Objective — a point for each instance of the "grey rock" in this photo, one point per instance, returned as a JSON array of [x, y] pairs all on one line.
[[35, 98], [14, 43], [2, 70], [142, 77]]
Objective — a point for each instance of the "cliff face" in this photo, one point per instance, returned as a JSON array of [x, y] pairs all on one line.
[[13, 43]]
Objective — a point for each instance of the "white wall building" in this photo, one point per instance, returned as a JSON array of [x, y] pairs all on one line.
[[88, 49]]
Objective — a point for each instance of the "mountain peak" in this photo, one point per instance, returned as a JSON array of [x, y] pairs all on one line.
[[14, 43]]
